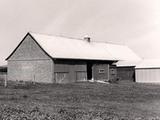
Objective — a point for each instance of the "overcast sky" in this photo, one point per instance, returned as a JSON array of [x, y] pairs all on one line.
[[135, 23]]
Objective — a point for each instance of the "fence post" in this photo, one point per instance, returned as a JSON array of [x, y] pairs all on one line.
[[5, 81], [34, 79]]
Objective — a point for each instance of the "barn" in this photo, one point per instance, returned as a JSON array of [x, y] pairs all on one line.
[[148, 71], [55, 59]]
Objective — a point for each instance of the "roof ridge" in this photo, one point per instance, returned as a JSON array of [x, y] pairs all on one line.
[[62, 36], [68, 37], [107, 42]]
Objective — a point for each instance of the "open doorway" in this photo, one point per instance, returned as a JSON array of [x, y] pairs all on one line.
[[89, 71]]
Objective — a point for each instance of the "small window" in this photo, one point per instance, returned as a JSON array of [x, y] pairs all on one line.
[[101, 71]]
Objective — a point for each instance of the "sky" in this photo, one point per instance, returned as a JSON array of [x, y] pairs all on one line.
[[135, 23]]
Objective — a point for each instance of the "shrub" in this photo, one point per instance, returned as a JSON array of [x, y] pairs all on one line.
[[115, 80]]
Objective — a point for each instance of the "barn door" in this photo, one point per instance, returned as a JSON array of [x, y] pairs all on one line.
[[61, 77], [81, 76]]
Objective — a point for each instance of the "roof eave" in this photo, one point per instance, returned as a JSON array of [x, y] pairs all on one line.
[[54, 58], [17, 46]]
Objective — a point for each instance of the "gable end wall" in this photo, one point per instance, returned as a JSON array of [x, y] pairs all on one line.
[[30, 63], [29, 50]]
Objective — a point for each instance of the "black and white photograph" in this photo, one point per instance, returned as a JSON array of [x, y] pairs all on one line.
[[79, 59]]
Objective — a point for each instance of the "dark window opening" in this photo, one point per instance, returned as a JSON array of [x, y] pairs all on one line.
[[89, 71], [101, 71]]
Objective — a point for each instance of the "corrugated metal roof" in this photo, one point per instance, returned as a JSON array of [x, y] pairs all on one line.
[[149, 63], [61, 47]]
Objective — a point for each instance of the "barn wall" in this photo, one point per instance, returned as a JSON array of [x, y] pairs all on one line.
[[97, 75], [126, 73], [148, 75], [75, 70], [29, 50], [112, 72], [36, 71], [30, 63], [69, 69]]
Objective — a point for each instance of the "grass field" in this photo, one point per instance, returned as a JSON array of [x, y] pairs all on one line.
[[81, 101]]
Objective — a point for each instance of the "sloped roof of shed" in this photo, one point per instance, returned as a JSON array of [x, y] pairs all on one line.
[[61, 47], [149, 63], [124, 63]]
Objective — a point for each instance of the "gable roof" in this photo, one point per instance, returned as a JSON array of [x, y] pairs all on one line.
[[69, 48], [149, 63], [61, 47]]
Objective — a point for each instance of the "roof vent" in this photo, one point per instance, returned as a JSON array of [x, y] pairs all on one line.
[[87, 38]]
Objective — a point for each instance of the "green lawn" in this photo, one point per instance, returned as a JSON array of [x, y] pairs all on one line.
[[81, 101]]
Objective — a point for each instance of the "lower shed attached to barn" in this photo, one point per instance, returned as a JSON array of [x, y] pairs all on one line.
[[126, 73], [126, 70]]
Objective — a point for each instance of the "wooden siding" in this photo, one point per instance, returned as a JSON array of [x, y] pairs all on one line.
[[81, 75], [112, 72], [36, 71], [30, 63], [76, 70], [28, 50], [100, 76], [126, 73], [69, 67]]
